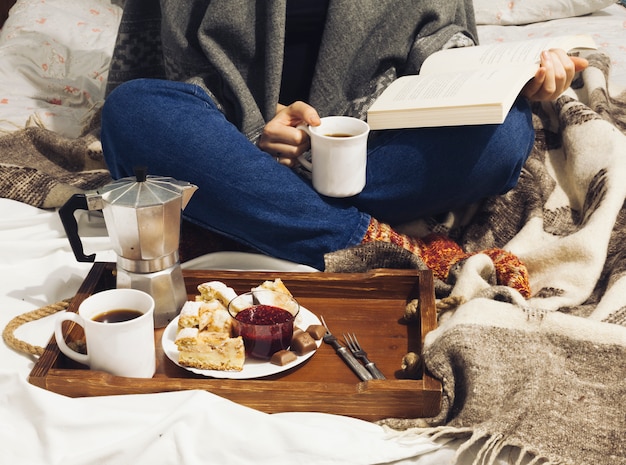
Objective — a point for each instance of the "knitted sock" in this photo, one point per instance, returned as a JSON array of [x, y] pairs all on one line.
[[439, 253]]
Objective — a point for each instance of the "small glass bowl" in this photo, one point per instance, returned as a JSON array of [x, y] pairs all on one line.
[[265, 320]]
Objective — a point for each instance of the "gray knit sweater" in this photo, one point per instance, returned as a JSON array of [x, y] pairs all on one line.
[[234, 49]]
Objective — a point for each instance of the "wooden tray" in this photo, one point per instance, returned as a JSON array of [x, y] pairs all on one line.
[[369, 304]]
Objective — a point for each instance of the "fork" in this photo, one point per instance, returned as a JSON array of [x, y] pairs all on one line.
[[345, 354], [353, 344]]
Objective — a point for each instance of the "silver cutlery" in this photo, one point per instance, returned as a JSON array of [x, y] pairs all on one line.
[[353, 344], [346, 355]]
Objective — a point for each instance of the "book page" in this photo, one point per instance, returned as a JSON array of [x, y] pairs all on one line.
[[525, 51], [479, 86]]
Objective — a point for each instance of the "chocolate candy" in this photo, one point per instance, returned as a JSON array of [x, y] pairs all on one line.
[[316, 331], [303, 343], [283, 357]]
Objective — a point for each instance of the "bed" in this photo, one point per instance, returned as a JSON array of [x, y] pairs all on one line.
[[537, 380]]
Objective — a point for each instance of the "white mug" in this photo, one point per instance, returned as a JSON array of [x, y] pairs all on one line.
[[123, 348], [338, 155]]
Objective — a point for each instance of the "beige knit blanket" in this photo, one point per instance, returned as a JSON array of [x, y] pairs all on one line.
[[540, 380], [540, 386]]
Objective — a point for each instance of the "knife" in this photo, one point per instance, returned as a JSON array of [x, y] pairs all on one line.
[[346, 355]]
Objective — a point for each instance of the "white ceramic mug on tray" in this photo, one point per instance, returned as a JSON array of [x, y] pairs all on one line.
[[123, 348], [338, 155]]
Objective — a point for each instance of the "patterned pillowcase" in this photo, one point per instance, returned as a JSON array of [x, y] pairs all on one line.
[[509, 12], [54, 62]]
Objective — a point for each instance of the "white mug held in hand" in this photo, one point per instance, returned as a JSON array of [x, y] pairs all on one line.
[[122, 348], [338, 155]]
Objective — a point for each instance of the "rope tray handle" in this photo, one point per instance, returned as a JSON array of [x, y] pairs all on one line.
[[21, 346]]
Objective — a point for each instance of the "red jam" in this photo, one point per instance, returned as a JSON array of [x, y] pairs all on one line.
[[264, 315], [265, 330]]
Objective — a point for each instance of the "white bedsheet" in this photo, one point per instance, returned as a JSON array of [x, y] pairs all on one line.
[[180, 428]]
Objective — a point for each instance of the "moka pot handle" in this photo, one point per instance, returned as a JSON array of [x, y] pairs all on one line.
[[66, 212]]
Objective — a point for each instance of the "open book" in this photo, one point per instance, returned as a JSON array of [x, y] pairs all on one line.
[[463, 86]]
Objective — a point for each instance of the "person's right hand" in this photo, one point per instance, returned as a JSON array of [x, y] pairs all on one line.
[[282, 139]]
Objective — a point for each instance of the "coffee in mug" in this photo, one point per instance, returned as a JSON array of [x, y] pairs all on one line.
[[119, 333], [338, 155], [117, 315]]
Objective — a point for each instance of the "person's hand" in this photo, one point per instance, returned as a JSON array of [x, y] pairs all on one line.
[[554, 76], [280, 137]]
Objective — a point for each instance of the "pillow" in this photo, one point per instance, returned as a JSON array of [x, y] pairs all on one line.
[[509, 12], [54, 62]]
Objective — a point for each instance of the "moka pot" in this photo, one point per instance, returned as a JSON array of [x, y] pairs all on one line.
[[143, 218]]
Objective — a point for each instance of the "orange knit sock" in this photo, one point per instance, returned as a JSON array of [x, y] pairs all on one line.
[[439, 253], [382, 232]]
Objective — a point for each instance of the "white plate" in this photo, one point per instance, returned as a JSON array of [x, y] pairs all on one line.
[[252, 368]]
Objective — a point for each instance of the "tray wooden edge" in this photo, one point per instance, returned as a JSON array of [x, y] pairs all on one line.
[[396, 398], [402, 398]]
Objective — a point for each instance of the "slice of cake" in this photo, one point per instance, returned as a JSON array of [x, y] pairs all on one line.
[[189, 316], [209, 350], [276, 285], [216, 290], [214, 317], [280, 298]]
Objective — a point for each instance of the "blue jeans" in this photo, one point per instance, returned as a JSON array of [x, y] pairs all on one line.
[[176, 130]]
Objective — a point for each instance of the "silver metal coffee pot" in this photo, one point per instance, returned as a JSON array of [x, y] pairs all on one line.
[[143, 219]]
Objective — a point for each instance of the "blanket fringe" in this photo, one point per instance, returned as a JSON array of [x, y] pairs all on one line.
[[490, 446], [490, 449]]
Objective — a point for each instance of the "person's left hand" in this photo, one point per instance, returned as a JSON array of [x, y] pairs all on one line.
[[554, 76]]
